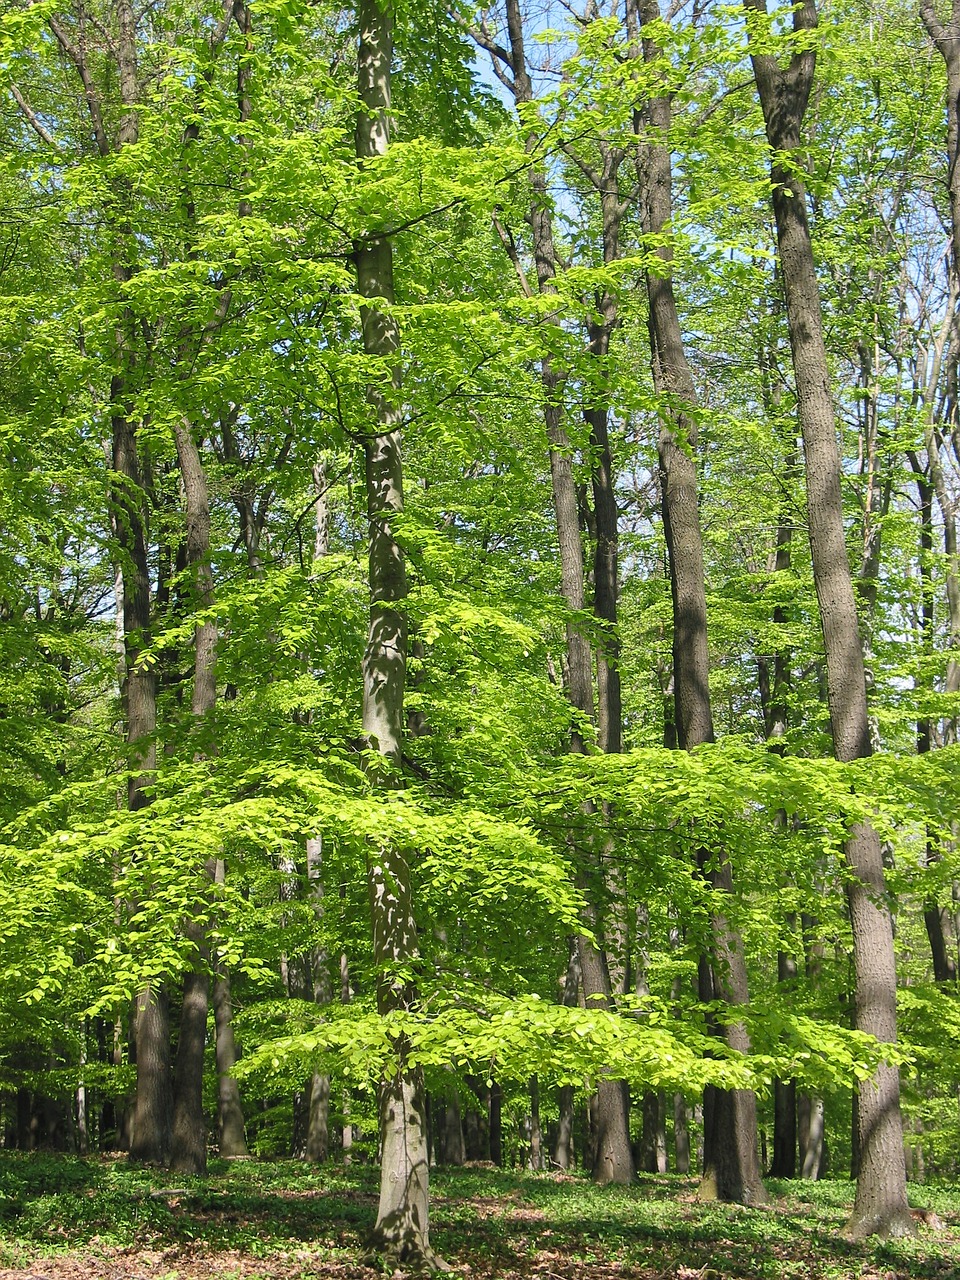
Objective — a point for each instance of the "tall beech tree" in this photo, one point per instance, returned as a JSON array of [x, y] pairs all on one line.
[[401, 1231], [941, 438], [731, 1148], [189, 1135], [881, 1201], [150, 1137]]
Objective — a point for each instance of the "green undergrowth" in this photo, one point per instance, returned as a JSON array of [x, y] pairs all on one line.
[[287, 1219]]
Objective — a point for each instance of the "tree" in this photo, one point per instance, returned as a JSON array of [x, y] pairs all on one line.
[[731, 1169], [402, 1227], [881, 1204]]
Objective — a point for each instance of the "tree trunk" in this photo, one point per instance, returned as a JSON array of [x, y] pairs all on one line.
[[773, 702], [606, 585], [936, 918], [233, 1139], [563, 1146], [784, 1163], [881, 1203], [536, 1161], [495, 1105], [653, 1134], [189, 1140], [653, 1140], [150, 1124], [346, 995], [317, 1144], [810, 1132], [731, 1169], [188, 1148], [681, 1134], [451, 1145], [401, 1232], [83, 1113]]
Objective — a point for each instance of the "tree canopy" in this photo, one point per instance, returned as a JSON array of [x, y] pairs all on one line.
[[237, 283]]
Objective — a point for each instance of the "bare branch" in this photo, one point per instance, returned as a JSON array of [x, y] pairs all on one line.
[[715, 106], [77, 56], [508, 242], [481, 36], [33, 120], [499, 56], [105, 35], [588, 171]]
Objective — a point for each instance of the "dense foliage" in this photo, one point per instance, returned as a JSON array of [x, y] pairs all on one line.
[[178, 262]]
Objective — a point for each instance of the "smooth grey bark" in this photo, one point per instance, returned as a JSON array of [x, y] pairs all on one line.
[[114, 1117], [563, 1144], [232, 1133], [188, 1145], [681, 1134], [810, 1135], [946, 37], [451, 1145], [150, 1118], [948, 514], [495, 1123], [877, 469], [535, 1160], [563, 1150], [139, 692], [579, 672], [321, 519], [401, 1231], [188, 1152], [731, 1167], [317, 1141], [346, 995], [941, 924], [774, 682], [197, 545], [604, 523], [82, 1109], [605, 531], [652, 1149], [653, 1138], [188, 1149], [294, 973], [476, 1129], [881, 1204]]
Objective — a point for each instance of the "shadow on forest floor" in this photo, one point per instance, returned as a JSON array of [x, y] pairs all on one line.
[[63, 1218]]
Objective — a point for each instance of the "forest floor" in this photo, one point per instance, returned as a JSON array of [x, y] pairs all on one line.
[[63, 1218]]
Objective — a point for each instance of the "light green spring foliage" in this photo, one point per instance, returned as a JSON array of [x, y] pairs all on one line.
[[494, 814]]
